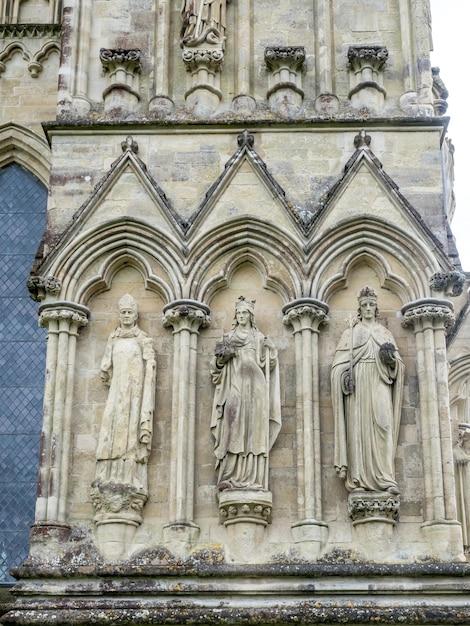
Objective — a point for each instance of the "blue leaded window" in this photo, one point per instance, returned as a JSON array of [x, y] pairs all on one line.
[[23, 200]]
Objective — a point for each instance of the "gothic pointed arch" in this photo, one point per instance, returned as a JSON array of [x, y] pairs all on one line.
[[23, 146]]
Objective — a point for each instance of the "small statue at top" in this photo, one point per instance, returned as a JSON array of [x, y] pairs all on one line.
[[366, 390], [204, 21]]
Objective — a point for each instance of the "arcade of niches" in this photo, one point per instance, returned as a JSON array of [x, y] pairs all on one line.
[[256, 379]]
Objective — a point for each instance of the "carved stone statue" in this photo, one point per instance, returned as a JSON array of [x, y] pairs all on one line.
[[124, 442], [367, 389], [462, 482], [204, 21], [246, 414]]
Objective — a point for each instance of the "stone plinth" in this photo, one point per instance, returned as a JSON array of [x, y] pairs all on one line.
[[245, 514], [373, 516]]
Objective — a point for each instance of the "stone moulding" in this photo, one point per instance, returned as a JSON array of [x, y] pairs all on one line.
[[371, 506], [29, 31]]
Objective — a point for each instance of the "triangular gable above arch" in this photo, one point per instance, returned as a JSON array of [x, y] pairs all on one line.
[[365, 190], [126, 191], [245, 188]]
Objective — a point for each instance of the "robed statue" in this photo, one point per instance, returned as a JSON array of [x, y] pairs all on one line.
[[128, 368], [203, 21], [367, 390], [246, 414]]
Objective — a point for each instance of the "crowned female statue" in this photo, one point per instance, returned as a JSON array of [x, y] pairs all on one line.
[[366, 390], [246, 414], [128, 367]]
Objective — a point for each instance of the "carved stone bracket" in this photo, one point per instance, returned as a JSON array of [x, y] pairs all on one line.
[[40, 286], [203, 94], [186, 316], [366, 64], [368, 506], [117, 502], [439, 91], [450, 283], [436, 312], [245, 506], [284, 64], [122, 67]]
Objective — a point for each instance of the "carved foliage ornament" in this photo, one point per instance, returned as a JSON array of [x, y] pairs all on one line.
[[429, 312], [291, 56], [114, 57], [451, 283], [359, 56], [212, 59], [366, 506], [39, 286]]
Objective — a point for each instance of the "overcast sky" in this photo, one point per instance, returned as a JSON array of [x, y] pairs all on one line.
[[450, 22]]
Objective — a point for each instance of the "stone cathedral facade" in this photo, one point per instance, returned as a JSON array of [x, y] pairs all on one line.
[[247, 399]]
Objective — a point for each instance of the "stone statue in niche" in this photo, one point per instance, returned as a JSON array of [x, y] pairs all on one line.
[[367, 388], [462, 482], [246, 414], [204, 21], [128, 367]]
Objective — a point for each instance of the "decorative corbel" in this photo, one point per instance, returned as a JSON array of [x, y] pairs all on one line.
[[122, 67], [366, 64], [284, 64]]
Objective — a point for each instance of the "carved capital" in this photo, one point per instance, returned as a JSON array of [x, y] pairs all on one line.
[[210, 59], [306, 313], [114, 59], [361, 56], [63, 311], [292, 57], [450, 283], [248, 506], [186, 315], [439, 313], [39, 286], [367, 506], [117, 502]]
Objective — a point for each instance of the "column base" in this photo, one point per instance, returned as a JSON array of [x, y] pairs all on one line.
[[310, 537], [48, 538], [244, 104], [444, 540], [180, 534], [203, 100], [161, 106], [245, 513]]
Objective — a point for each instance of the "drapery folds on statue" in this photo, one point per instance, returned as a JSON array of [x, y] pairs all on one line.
[[246, 415], [204, 21], [367, 388], [128, 366]]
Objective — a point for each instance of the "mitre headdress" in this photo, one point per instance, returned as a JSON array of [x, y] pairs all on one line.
[[127, 302]]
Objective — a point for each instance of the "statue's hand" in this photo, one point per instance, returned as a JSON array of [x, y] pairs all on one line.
[[267, 343], [387, 353], [347, 383], [224, 351], [104, 377]]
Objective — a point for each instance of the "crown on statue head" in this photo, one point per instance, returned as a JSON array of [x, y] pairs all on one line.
[[243, 303], [127, 302], [367, 292]]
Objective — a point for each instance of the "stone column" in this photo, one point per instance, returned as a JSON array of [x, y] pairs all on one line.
[[62, 320], [326, 102], [186, 317], [161, 104], [430, 318], [204, 65], [366, 65], [122, 67], [244, 101], [305, 316]]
